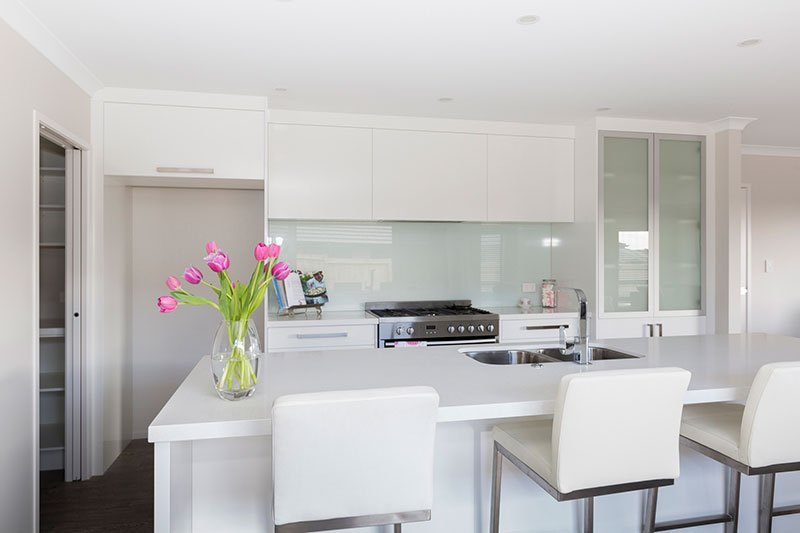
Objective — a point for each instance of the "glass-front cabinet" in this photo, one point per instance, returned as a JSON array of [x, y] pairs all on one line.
[[651, 216]]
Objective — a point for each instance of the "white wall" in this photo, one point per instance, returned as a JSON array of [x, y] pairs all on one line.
[[117, 311], [170, 230], [775, 227], [30, 82]]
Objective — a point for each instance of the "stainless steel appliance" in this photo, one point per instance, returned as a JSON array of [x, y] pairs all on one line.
[[434, 323]]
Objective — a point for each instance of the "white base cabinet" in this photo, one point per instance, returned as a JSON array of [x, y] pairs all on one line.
[[539, 330], [670, 326], [321, 337]]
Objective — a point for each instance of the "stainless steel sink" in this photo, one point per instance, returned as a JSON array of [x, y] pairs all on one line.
[[511, 357], [545, 355]]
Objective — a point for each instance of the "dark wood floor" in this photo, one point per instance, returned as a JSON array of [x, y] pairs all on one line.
[[120, 500]]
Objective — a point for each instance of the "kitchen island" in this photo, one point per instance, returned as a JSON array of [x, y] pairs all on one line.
[[213, 457]]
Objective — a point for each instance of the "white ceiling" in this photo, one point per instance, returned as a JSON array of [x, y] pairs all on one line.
[[660, 59]]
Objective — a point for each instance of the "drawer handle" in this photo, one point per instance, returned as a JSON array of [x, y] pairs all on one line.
[[321, 335], [551, 326], [185, 170]]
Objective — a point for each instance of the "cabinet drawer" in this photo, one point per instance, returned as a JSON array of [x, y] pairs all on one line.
[[325, 337], [539, 330], [176, 141]]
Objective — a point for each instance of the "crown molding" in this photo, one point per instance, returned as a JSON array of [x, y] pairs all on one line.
[[777, 151], [25, 23], [730, 123]]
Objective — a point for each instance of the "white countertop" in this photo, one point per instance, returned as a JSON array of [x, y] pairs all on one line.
[[722, 367], [328, 318]]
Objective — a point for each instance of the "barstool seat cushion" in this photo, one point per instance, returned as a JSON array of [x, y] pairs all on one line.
[[714, 425], [531, 442]]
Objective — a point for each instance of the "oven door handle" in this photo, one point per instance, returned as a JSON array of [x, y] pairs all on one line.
[[464, 341]]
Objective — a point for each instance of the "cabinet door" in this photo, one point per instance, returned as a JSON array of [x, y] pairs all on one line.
[[429, 176], [531, 179], [674, 326], [623, 328], [320, 172], [626, 219], [679, 174], [159, 140]]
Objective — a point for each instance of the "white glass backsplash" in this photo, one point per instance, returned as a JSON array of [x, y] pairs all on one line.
[[379, 261]]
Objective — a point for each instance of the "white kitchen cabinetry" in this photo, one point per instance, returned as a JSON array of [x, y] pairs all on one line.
[[320, 172], [522, 329], [421, 175], [531, 179], [321, 337], [176, 141], [651, 246]]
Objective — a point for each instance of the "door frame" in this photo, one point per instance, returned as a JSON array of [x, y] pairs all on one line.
[[44, 126]]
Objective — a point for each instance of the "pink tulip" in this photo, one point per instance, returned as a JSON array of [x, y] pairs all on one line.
[[273, 250], [192, 275], [167, 304], [281, 271], [173, 283], [261, 252], [211, 247], [218, 261]]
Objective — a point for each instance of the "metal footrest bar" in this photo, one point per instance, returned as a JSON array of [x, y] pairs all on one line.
[[694, 522], [789, 509]]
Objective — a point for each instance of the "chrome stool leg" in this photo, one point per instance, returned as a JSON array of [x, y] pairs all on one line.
[[398, 528], [766, 503], [734, 482], [497, 474], [588, 515], [649, 516]]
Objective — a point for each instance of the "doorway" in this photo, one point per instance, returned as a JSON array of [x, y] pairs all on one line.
[[745, 258]]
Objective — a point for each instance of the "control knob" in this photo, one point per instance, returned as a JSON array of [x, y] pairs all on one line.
[[490, 328], [480, 327], [410, 331], [461, 329], [471, 328], [451, 329], [399, 331]]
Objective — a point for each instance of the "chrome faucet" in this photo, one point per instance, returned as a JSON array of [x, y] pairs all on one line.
[[580, 346]]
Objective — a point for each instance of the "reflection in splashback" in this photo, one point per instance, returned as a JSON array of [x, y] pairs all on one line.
[[379, 261]]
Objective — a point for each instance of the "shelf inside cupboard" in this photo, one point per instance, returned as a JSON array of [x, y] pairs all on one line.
[[51, 170], [52, 245], [51, 381], [52, 207], [51, 327], [51, 437]]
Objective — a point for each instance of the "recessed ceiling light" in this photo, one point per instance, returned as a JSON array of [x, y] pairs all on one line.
[[603, 109], [527, 20], [280, 89], [749, 42], [445, 99]]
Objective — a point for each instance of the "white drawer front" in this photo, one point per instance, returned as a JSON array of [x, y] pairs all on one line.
[[325, 337], [540, 330]]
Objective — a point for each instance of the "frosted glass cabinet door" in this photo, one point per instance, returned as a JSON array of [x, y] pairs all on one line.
[[680, 164], [626, 223]]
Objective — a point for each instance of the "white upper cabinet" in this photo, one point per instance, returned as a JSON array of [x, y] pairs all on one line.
[[320, 172], [177, 141], [531, 179], [429, 176]]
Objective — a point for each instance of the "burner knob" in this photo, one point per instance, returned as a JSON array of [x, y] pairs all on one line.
[[410, 331], [471, 328], [461, 329], [399, 331], [451, 329], [490, 328], [480, 327]]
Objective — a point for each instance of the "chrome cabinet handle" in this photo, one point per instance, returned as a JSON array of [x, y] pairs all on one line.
[[551, 326], [650, 329], [321, 335], [660, 329], [185, 170]]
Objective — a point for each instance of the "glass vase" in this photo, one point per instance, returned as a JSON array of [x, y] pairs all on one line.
[[235, 359]]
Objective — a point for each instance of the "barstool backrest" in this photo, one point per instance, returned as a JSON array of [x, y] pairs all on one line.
[[352, 453], [770, 431], [619, 426]]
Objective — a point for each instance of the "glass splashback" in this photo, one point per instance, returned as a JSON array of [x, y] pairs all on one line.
[[679, 224], [377, 261], [626, 237]]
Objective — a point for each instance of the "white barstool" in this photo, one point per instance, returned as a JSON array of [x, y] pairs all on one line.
[[353, 458], [613, 431], [761, 438]]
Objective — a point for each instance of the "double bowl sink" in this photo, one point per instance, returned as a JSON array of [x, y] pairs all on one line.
[[540, 356]]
